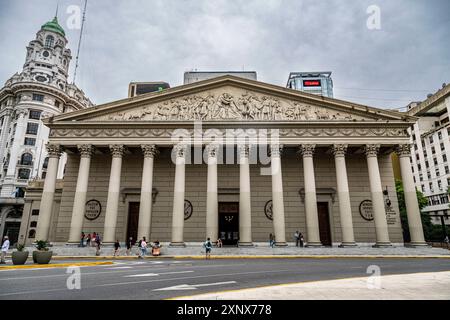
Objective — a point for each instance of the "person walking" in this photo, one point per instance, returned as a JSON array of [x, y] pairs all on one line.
[[116, 248], [88, 240], [5, 248], [297, 238], [94, 236], [271, 240], [301, 239], [447, 241], [208, 248], [82, 240], [219, 243], [97, 244], [129, 245], [143, 247]]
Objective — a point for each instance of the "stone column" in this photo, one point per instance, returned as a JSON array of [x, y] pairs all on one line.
[[345, 208], [178, 196], [312, 218], [212, 213], [112, 203], [409, 189], [376, 190], [245, 206], [5, 128], [48, 193], [145, 207], [279, 226], [79, 202]]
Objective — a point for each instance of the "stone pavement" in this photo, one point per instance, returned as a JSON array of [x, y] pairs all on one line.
[[261, 249], [426, 286]]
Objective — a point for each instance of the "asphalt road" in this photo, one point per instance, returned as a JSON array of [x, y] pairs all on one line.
[[168, 278]]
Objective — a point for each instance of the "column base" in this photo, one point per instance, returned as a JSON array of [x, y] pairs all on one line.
[[416, 245], [281, 244], [348, 245], [382, 245], [246, 244], [314, 245], [177, 245]]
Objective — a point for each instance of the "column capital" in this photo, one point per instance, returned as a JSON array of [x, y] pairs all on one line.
[[180, 150], [149, 150], [212, 150], [306, 150], [276, 150], [54, 150], [403, 150], [244, 150], [371, 150], [117, 150], [339, 150], [21, 112], [86, 150]]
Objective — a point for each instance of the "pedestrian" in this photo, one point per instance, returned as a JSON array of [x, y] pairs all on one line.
[[116, 248], [5, 248], [271, 240], [129, 245], [446, 240], [94, 236], [208, 248], [88, 240], [297, 238], [82, 240], [301, 239], [143, 247], [219, 243], [97, 244]]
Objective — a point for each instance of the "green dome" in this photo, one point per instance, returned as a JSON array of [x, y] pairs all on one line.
[[54, 26]]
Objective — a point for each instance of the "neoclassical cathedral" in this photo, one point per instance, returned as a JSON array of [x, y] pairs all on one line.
[[40, 90], [227, 158]]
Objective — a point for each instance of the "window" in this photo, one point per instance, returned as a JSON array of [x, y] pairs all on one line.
[[30, 141], [423, 188], [429, 175], [44, 174], [439, 184], [32, 128], [427, 164], [419, 167], [417, 157], [45, 165], [35, 115], [49, 41], [444, 157], [38, 97], [26, 159], [447, 171], [35, 212], [431, 139], [435, 161], [57, 104], [433, 150], [414, 137], [33, 224], [24, 174], [437, 172], [442, 146], [440, 135], [431, 186], [32, 234]]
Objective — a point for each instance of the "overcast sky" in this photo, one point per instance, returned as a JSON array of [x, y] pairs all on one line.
[[151, 40]]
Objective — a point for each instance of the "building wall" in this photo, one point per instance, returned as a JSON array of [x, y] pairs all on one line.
[[228, 177]]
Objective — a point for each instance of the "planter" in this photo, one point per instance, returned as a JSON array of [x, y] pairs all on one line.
[[42, 257], [19, 257]]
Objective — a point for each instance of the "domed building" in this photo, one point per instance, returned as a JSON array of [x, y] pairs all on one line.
[[39, 91]]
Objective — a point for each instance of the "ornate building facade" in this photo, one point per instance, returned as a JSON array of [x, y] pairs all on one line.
[[228, 158], [39, 91]]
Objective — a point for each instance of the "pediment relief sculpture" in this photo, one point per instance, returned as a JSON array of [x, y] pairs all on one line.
[[222, 106]]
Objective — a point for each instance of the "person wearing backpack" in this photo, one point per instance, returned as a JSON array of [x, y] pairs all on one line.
[[208, 248]]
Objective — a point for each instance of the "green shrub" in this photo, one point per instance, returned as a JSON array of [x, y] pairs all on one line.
[[42, 245]]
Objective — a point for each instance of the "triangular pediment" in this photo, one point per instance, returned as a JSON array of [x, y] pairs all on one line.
[[230, 98]]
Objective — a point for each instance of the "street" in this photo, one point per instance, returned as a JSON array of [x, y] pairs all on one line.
[[169, 278]]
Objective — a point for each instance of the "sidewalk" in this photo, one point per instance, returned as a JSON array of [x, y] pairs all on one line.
[[414, 286], [262, 250]]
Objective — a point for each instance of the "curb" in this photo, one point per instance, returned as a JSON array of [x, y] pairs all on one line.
[[202, 257], [57, 265]]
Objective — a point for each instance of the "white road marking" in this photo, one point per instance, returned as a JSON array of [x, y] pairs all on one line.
[[118, 268], [155, 274], [193, 286]]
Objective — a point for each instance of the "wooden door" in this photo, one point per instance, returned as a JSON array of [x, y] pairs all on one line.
[[324, 223], [133, 220], [228, 223]]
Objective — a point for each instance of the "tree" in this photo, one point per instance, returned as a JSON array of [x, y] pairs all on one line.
[[425, 217]]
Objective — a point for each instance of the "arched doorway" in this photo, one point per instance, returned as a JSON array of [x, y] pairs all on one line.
[[10, 226]]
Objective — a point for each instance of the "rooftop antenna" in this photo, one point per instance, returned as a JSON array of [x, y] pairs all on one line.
[[57, 8], [79, 42]]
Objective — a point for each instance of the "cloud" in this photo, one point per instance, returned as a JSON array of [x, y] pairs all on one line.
[[139, 40]]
